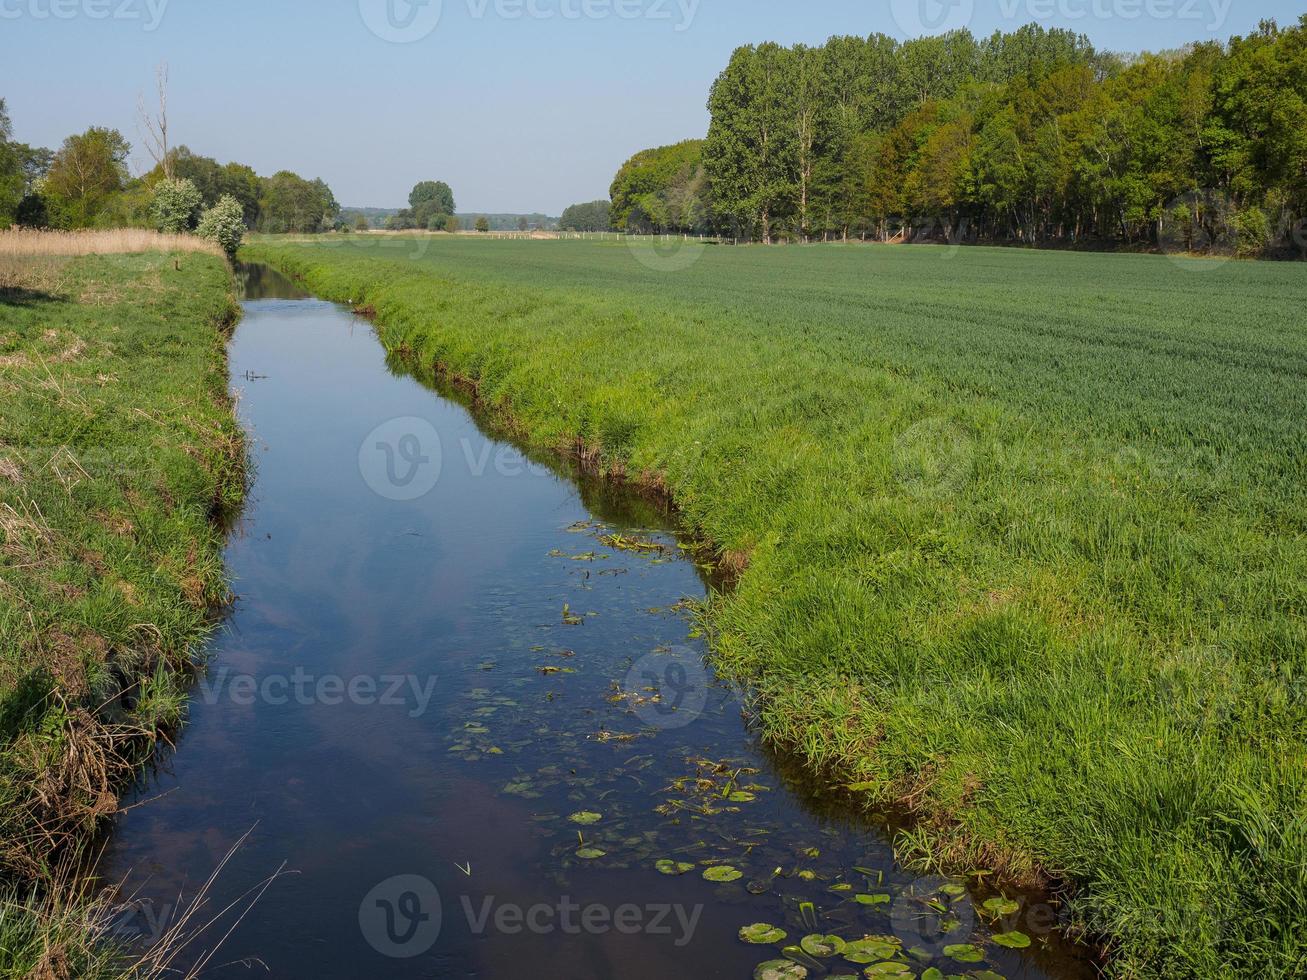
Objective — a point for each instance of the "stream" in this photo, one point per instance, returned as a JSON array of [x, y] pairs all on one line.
[[460, 724]]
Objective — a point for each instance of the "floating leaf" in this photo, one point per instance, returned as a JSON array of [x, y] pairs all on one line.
[[723, 872], [877, 899], [964, 953], [741, 796], [822, 945], [762, 934], [669, 867], [585, 818], [932, 974], [1001, 906], [843, 886], [1012, 940], [870, 949], [888, 970], [780, 970], [954, 890], [590, 853]]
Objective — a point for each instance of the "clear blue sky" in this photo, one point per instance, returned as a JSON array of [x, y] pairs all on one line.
[[521, 105]]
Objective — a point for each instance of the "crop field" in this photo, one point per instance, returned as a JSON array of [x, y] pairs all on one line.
[[1024, 532]]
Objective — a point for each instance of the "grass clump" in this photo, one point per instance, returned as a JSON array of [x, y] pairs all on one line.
[[119, 459], [1024, 533]]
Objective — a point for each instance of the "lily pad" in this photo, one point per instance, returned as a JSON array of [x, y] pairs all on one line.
[[780, 970], [722, 872], [954, 890], [822, 945], [1012, 940], [870, 949], [762, 934], [585, 818], [1001, 906], [880, 898], [741, 796], [669, 867], [590, 853], [888, 970], [964, 953], [933, 974]]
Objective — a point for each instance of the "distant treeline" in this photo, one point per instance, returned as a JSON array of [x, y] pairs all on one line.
[[86, 184], [1031, 137]]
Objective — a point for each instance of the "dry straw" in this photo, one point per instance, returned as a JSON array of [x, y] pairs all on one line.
[[117, 241]]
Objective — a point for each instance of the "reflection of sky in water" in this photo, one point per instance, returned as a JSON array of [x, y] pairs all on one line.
[[337, 580]]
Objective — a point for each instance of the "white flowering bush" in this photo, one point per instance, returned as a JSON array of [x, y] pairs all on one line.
[[176, 205], [224, 223]]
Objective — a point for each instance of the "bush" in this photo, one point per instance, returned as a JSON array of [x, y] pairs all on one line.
[[1252, 231], [176, 206], [224, 223], [483, 224], [32, 212], [452, 225]]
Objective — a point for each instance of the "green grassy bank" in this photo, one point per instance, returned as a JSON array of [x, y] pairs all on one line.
[[119, 458], [1025, 532]]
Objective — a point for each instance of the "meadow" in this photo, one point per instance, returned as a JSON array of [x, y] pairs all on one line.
[[120, 458], [1021, 533]]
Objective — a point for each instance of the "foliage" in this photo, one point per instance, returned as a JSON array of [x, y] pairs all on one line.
[[1024, 534], [594, 216], [1030, 136], [289, 203], [176, 205], [482, 224], [452, 225], [84, 173], [224, 223], [661, 188]]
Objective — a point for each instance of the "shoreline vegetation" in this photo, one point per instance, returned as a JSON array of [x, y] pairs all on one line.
[[120, 462], [1024, 534]]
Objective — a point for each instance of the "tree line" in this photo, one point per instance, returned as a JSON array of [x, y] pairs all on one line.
[[1031, 136], [86, 183]]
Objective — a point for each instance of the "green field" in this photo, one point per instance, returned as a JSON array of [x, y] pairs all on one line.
[[119, 456], [1024, 530]]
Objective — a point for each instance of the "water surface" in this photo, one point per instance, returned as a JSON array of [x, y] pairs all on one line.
[[461, 703]]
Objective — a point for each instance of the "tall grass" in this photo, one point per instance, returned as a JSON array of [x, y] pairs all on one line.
[[25, 242], [1026, 533], [118, 449]]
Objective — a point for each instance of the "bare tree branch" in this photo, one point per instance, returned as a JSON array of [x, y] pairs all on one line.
[[156, 125]]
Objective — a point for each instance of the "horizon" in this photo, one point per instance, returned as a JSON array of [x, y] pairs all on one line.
[[508, 154]]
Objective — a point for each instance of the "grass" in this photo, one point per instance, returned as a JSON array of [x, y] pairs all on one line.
[[119, 457], [25, 243], [1024, 532]]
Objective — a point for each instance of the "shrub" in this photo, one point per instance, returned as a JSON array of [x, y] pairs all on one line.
[[224, 223], [176, 206], [32, 212]]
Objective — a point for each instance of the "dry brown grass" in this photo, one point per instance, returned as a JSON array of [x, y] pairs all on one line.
[[117, 241]]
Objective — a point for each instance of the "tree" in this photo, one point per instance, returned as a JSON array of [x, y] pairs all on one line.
[[361, 223], [177, 204], [86, 170], [523, 224], [11, 171], [663, 187], [452, 224], [224, 223], [156, 123], [483, 224], [292, 204], [430, 202], [586, 217]]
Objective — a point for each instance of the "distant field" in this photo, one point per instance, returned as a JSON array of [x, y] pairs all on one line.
[[1025, 531]]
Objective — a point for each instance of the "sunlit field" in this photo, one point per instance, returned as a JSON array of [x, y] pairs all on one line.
[[1024, 531]]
